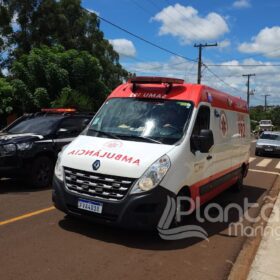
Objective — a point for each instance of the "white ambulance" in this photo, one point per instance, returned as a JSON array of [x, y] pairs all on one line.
[[153, 137]]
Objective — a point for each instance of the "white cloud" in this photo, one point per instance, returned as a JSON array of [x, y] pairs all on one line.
[[175, 67], [93, 11], [267, 80], [186, 24], [124, 47], [224, 44], [240, 4], [266, 42]]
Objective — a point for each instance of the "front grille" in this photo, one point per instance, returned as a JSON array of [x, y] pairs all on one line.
[[97, 185]]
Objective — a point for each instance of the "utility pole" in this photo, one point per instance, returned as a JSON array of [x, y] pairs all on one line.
[[248, 87], [200, 46], [265, 101]]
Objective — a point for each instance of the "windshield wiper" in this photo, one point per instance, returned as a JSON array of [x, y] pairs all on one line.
[[147, 139], [105, 133]]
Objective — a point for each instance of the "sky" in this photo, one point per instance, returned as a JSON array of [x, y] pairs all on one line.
[[247, 33]]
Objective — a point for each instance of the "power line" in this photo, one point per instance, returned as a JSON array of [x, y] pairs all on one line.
[[200, 46], [221, 80], [243, 65], [143, 39], [159, 67], [173, 27], [265, 101], [142, 7], [261, 54], [248, 87], [148, 12]]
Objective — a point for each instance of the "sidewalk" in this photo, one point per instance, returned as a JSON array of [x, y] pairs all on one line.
[[266, 265]]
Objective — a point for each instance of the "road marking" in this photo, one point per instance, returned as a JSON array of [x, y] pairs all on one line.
[[265, 162], [263, 171], [278, 165], [18, 218], [251, 159]]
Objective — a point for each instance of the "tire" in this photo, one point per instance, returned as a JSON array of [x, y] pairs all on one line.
[[41, 172], [182, 206], [238, 186]]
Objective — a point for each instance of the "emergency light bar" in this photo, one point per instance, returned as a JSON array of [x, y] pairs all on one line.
[[155, 80], [59, 110]]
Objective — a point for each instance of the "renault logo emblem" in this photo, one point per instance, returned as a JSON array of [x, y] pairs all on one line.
[[96, 165]]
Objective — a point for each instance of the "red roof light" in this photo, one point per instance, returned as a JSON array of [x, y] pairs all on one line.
[[59, 110], [155, 80]]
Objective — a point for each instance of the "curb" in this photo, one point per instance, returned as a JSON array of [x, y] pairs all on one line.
[[244, 260]]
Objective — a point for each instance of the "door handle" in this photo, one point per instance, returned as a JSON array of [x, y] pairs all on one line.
[[209, 157]]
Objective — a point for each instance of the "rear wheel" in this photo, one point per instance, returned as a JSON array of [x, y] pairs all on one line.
[[41, 172]]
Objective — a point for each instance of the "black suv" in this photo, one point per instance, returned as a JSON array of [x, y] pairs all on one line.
[[29, 146]]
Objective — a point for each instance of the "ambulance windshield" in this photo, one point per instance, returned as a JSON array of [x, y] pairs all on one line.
[[149, 120]]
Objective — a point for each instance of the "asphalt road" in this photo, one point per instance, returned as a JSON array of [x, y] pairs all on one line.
[[39, 242]]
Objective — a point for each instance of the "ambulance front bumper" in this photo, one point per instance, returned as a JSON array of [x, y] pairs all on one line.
[[137, 211]]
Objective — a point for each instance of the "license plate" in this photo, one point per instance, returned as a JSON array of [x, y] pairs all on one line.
[[268, 150], [91, 206]]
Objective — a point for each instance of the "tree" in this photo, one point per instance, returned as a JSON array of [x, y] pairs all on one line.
[[6, 97], [64, 22], [70, 98], [53, 74]]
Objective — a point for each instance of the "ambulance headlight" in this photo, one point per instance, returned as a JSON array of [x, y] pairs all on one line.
[[153, 175], [58, 170]]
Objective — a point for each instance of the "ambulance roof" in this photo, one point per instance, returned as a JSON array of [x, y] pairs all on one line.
[[176, 89]]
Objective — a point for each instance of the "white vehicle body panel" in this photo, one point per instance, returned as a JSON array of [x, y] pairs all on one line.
[[118, 157]]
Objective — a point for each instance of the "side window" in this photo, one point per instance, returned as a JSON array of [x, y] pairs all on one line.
[[72, 127], [202, 122]]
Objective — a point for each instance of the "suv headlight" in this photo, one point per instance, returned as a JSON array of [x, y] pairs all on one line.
[[9, 148], [153, 175], [24, 146], [58, 170]]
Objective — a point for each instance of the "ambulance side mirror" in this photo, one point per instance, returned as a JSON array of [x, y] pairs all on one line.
[[205, 140]]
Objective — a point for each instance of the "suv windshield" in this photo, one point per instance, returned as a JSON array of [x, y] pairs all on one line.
[[270, 136], [149, 120], [39, 125]]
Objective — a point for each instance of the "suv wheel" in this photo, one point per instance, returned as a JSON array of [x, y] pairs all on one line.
[[41, 172]]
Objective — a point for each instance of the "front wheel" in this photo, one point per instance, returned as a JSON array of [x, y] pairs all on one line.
[[238, 186], [183, 205], [41, 172]]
